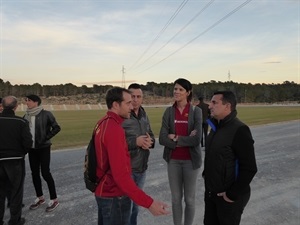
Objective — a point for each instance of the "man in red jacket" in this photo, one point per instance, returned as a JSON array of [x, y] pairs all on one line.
[[116, 186]]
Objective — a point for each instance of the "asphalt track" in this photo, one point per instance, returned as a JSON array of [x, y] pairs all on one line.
[[275, 196]]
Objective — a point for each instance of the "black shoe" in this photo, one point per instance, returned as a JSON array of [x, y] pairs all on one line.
[[21, 222]]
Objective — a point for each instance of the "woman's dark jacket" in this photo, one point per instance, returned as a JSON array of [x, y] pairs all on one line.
[[46, 127], [229, 164], [193, 142], [135, 127]]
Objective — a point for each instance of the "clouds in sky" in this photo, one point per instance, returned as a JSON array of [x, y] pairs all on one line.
[[84, 42]]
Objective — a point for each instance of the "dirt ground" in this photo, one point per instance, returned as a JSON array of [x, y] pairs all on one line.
[[275, 196]]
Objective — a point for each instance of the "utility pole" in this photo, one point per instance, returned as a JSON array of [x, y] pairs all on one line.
[[123, 76], [229, 75]]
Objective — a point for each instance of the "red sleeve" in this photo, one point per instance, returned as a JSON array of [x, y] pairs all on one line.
[[119, 161]]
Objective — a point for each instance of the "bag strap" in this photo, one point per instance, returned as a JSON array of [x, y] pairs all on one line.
[[93, 141]]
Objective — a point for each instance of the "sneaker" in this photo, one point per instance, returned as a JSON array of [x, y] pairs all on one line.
[[37, 203], [22, 221], [52, 205]]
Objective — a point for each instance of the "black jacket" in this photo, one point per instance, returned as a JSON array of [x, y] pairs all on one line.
[[134, 127], [15, 136], [46, 127], [229, 164]]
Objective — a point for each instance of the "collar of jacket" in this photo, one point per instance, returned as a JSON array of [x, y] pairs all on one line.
[[141, 113], [226, 120], [7, 112], [116, 117]]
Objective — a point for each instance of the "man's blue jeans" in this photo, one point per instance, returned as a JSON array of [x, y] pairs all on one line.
[[139, 179], [113, 211]]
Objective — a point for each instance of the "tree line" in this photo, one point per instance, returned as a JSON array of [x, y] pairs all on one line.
[[246, 93]]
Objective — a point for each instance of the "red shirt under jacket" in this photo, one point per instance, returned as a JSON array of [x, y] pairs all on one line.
[[113, 160], [181, 129]]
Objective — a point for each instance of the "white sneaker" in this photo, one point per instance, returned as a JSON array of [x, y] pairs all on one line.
[[52, 205], [37, 203]]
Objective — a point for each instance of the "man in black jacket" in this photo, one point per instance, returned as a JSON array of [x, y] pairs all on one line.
[[230, 163], [140, 139], [8, 194], [43, 127], [15, 141]]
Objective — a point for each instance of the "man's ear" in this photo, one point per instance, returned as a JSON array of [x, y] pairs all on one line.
[[228, 106], [115, 105]]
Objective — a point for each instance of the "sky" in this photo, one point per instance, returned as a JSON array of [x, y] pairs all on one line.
[[118, 42]]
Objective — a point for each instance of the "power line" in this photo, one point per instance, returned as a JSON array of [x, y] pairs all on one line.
[[205, 31], [190, 21], [161, 31]]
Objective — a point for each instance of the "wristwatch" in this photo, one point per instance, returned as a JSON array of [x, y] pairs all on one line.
[[175, 138]]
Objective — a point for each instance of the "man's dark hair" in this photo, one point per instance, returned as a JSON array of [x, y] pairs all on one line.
[[9, 102], [228, 97], [135, 86], [34, 98], [200, 98], [115, 94]]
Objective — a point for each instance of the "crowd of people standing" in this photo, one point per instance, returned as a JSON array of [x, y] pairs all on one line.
[[122, 158]]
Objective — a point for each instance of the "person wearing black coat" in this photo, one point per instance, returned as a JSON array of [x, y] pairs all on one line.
[[229, 164], [43, 127], [15, 141], [205, 115]]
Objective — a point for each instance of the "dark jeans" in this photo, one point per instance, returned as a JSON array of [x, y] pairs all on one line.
[[113, 211], [220, 212], [39, 160], [204, 133], [139, 179], [12, 172]]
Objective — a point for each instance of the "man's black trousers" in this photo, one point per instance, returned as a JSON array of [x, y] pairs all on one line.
[[219, 212], [12, 173]]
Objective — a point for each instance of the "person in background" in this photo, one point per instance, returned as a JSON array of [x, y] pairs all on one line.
[[15, 139], [1, 107], [229, 164], [43, 127], [116, 187], [205, 115], [180, 134], [140, 139]]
